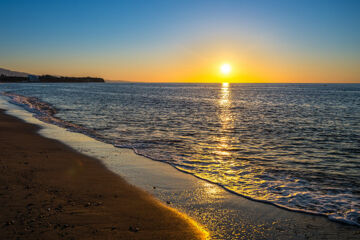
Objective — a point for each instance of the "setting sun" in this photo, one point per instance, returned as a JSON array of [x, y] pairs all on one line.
[[225, 68]]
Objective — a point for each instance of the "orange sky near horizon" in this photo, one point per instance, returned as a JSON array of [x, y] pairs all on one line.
[[247, 67], [263, 62]]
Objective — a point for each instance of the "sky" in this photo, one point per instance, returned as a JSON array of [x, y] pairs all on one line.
[[184, 41]]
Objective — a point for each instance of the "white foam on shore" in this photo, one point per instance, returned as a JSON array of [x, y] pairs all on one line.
[[226, 215]]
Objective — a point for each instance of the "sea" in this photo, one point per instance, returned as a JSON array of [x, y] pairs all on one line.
[[296, 146]]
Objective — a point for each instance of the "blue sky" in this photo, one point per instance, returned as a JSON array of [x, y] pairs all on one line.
[[158, 40]]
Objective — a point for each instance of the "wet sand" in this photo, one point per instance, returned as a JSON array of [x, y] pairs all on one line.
[[50, 191]]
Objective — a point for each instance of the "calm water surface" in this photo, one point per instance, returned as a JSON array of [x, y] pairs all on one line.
[[296, 146]]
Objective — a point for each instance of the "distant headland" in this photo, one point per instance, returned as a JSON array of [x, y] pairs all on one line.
[[8, 76]]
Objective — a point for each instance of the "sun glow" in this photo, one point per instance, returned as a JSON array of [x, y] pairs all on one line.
[[225, 69], [225, 85]]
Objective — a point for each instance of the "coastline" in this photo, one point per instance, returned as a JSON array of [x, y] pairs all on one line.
[[225, 215], [50, 191]]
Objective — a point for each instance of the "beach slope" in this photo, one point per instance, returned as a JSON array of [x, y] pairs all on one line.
[[49, 191]]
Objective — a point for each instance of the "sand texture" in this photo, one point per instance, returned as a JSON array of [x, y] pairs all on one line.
[[49, 191]]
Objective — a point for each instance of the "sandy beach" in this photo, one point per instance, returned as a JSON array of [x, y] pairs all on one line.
[[49, 191]]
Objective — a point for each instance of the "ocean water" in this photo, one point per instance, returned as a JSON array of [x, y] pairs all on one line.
[[296, 146]]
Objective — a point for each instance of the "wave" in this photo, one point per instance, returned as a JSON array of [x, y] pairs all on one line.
[[47, 113]]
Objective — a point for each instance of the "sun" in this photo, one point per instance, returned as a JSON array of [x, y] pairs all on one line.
[[225, 69]]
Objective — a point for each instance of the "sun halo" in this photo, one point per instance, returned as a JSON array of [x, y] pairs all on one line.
[[225, 69]]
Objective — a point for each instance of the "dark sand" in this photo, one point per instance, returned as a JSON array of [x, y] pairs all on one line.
[[49, 191]]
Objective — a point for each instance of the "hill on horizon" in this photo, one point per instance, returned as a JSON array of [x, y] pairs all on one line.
[[11, 73]]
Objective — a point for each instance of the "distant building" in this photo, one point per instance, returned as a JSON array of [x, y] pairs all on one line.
[[33, 78]]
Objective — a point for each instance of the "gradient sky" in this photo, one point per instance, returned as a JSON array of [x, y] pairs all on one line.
[[184, 41]]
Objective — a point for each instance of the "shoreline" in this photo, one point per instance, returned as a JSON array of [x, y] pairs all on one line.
[[225, 215], [51, 191], [63, 124]]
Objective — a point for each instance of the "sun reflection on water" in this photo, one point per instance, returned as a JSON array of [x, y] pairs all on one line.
[[225, 95], [226, 120]]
